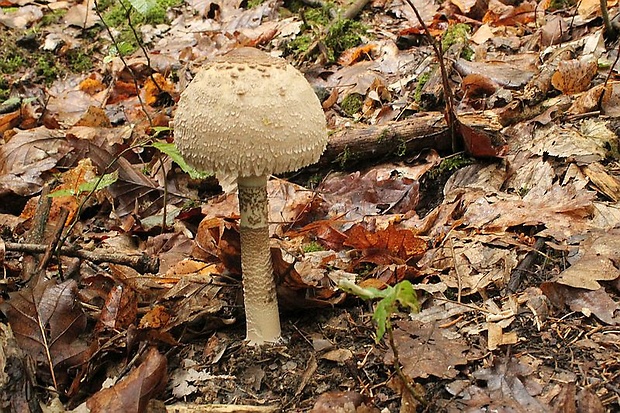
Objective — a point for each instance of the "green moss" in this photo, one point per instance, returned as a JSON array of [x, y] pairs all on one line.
[[318, 16], [46, 68], [11, 63], [52, 17], [451, 164], [254, 3], [417, 95], [342, 35], [118, 15], [561, 4], [5, 89], [458, 33], [313, 246], [384, 135], [300, 44], [352, 104], [79, 61]]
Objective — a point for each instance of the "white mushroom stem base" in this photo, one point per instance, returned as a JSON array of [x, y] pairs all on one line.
[[259, 288]]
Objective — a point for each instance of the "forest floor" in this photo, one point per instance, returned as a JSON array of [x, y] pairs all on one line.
[[449, 252]]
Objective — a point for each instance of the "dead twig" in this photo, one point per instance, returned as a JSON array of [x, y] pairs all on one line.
[[51, 247], [142, 263], [403, 377], [523, 267], [36, 235], [447, 91]]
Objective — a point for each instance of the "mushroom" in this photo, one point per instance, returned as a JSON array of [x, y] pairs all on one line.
[[248, 115]]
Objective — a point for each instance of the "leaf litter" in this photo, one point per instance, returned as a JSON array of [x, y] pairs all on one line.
[[536, 108]]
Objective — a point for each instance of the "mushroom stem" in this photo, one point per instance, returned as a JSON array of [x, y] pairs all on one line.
[[259, 288]]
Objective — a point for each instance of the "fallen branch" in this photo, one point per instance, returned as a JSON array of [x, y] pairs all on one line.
[[141, 263], [421, 131]]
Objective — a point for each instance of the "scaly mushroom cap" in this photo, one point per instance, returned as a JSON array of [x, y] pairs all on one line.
[[249, 114]]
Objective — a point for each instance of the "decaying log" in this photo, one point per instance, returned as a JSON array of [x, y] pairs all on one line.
[[362, 143]]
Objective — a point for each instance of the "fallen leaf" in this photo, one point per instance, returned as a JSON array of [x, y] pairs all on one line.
[[588, 302], [133, 393], [26, 157], [574, 76], [599, 261], [427, 350], [47, 321]]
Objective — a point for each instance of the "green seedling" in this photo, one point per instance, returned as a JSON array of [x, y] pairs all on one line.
[[94, 185], [171, 150], [402, 294]]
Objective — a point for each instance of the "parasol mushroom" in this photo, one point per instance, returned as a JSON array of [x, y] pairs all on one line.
[[248, 115]]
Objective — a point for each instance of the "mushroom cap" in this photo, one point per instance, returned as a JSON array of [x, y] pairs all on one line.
[[249, 114]]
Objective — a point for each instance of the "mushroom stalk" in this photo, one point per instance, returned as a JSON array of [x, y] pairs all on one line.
[[259, 289]]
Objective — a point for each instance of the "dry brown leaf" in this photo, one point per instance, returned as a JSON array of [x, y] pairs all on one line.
[[587, 302], [158, 90], [427, 350], [356, 195], [26, 157], [337, 401], [133, 393], [119, 310], [71, 181], [477, 86], [599, 261], [604, 182], [94, 117], [482, 135], [500, 14], [363, 52], [47, 321], [382, 246], [508, 385], [574, 76]]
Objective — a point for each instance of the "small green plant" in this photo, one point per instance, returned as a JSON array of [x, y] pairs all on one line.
[[171, 150], [5, 89], [337, 35], [47, 69], [450, 164], [390, 298], [344, 158], [12, 64], [94, 185], [343, 34], [254, 3], [121, 13]]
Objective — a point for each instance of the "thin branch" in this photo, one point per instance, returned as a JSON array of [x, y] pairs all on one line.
[[141, 263], [450, 115], [403, 377], [120, 55]]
